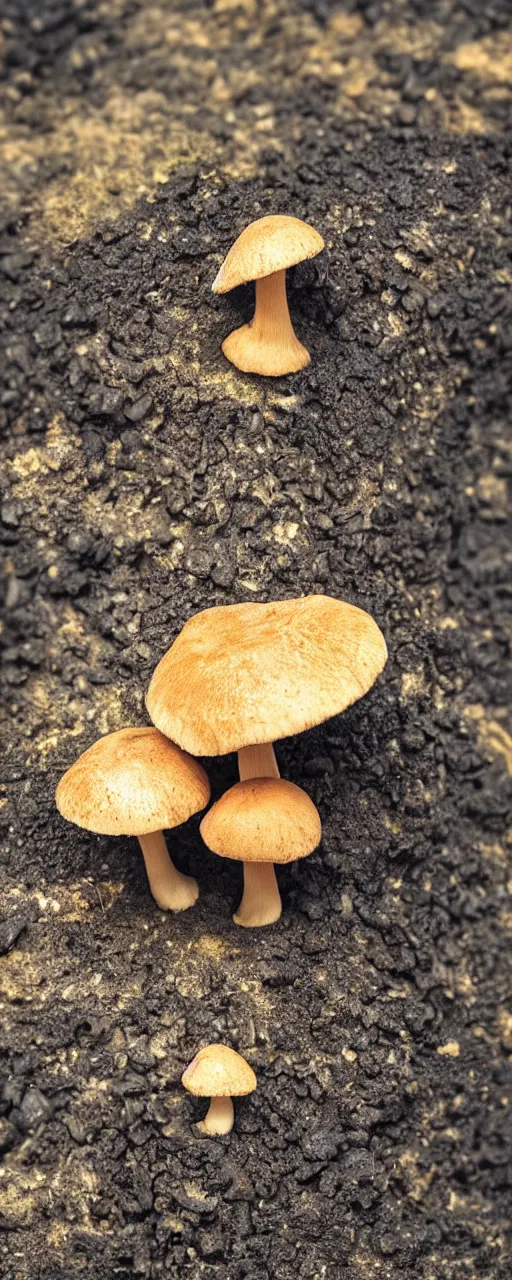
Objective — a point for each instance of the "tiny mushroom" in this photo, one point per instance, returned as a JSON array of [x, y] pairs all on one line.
[[262, 821], [263, 252], [217, 1072], [135, 783]]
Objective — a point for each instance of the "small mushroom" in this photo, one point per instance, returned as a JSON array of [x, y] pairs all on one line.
[[239, 676], [134, 783], [262, 821], [262, 253], [217, 1072]]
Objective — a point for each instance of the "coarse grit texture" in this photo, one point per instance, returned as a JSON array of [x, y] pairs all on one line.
[[145, 479]]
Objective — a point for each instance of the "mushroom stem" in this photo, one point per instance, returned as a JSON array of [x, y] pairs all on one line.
[[271, 321], [268, 344], [261, 903], [257, 762], [171, 890], [219, 1118]]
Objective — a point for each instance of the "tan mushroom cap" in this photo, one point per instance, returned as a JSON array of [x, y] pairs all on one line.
[[263, 820], [267, 245], [243, 674], [218, 1072], [130, 783]]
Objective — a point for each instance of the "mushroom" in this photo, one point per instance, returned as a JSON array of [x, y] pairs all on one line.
[[134, 783], [262, 253], [217, 1072], [239, 676], [262, 821]]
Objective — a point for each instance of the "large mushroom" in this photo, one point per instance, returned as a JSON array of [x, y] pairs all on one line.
[[239, 676], [136, 783], [262, 821], [217, 1072], [263, 252]]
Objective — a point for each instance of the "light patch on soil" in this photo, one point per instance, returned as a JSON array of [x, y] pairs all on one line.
[[504, 1024], [413, 684], [463, 118], [422, 38], [449, 1050], [458, 116], [19, 1195], [79, 1184], [117, 154], [101, 159], [346, 50], [130, 519], [100, 710], [491, 732], [346, 26], [229, 383], [21, 978], [214, 948], [490, 58]]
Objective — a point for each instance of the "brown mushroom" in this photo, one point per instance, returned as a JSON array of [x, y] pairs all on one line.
[[239, 676], [135, 782], [217, 1072], [263, 252], [262, 821]]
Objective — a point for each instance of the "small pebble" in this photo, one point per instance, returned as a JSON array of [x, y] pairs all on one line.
[[449, 1050], [138, 410], [10, 931], [35, 1108]]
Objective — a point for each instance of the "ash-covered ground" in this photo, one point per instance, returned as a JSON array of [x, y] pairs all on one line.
[[144, 479]]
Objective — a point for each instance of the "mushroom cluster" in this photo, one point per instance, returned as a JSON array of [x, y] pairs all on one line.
[[237, 678]]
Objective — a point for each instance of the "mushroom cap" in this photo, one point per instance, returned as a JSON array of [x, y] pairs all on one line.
[[241, 674], [263, 820], [130, 783], [218, 1072], [267, 245]]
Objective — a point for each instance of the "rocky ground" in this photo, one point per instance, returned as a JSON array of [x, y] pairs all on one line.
[[144, 479]]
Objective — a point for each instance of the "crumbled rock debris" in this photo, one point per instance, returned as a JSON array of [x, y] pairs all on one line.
[[10, 931], [143, 478]]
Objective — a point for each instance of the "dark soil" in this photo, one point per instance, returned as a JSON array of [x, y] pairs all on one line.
[[145, 479]]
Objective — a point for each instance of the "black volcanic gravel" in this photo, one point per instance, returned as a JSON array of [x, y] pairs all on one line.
[[144, 479]]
